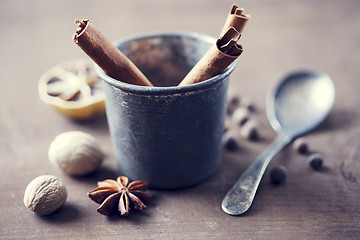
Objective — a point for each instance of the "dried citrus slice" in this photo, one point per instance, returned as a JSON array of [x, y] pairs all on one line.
[[74, 89]]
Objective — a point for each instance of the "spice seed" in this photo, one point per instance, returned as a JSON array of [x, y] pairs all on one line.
[[316, 161], [229, 141], [300, 145], [248, 103], [250, 130], [278, 174], [232, 104], [241, 115]]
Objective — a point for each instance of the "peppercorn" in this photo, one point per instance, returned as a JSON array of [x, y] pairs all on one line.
[[316, 161], [240, 116], [278, 174], [248, 103], [233, 103], [250, 130], [229, 141], [225, 129], [300, 145]]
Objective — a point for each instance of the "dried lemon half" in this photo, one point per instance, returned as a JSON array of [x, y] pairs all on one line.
[[74, 89]]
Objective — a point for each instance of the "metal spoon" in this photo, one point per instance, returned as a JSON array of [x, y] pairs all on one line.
[[297, 104]]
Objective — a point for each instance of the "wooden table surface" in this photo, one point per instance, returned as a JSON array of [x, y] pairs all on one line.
[[281, 37]]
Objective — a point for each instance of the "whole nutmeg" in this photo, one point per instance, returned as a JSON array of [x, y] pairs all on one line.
[[45, 194], [75, 153]]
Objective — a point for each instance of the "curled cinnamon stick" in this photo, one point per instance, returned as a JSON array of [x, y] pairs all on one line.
[[216, 59], [223, 53], [106, 55], [236, 19]]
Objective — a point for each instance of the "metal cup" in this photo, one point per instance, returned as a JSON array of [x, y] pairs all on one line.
[[167, 135]]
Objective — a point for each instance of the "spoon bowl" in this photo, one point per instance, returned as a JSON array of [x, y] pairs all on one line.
[[296, 105], [300, 102]]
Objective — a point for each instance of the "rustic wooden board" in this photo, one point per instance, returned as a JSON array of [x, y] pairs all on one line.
[[281, 37]]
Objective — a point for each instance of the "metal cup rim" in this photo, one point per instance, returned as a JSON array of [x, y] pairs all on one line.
[[146, 90]]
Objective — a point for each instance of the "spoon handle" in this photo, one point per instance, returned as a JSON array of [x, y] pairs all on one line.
[[239, 198]]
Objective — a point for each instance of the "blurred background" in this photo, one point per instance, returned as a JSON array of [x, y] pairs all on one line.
[[282, 36]]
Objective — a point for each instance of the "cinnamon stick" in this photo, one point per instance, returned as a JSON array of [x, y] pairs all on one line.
[[216, 59], [114, 63], [236, 19], [224, 52]]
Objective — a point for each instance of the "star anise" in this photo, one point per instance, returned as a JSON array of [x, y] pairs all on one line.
[[120, 196]]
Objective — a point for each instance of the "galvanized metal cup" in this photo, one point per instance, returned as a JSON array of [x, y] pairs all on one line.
[[167, 135]]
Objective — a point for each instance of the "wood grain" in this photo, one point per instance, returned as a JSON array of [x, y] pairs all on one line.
[[282, 36]]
